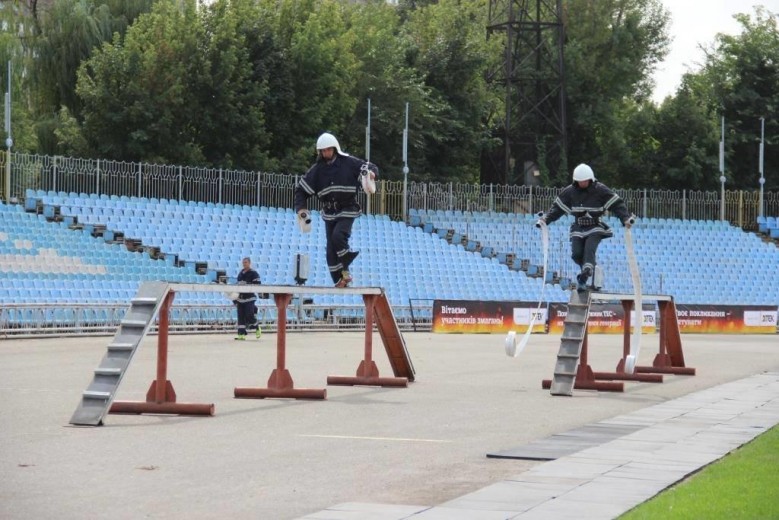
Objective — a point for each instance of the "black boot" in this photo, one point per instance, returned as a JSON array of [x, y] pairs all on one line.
[[582, 277], [348, 258]]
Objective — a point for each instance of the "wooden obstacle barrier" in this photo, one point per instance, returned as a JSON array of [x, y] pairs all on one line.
[[161, 397], [280, 382], [155, 298], [669, 360]]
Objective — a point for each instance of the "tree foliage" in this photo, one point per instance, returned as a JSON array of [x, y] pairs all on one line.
[[610, 50], [139, 92], [13, 49], [743, 77], [450, 48], [250, 84], [68, 34], [230, 94]]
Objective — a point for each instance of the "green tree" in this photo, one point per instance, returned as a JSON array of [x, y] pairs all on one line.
[[138, 94], [310, 76], [230, 96], [740, 80], [687, 134], [384, 76], [637, 149], [323, 71], [609, 54], [742, 73], [70, 30], [450, 52]]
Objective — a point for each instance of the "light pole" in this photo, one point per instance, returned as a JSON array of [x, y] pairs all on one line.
[[760, 166], [405, 169], [368, 154], [9, 142], [368, 134], [722, 172]]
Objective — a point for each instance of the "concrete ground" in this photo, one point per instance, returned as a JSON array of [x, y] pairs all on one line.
[[280, 459]]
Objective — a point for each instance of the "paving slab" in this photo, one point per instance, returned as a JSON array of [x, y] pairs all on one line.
[[565, 443], [606, 480]]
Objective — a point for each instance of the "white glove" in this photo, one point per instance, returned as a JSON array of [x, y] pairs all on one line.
[[367, 179], [304, 221]]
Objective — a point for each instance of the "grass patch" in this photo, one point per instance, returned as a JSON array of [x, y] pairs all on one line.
[[744, 484]]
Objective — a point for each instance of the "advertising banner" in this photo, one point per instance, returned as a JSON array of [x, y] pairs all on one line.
[[727, 319], [465, 316], [605, 318]]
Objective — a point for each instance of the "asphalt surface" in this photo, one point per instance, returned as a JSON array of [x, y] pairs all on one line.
[[282, 458]]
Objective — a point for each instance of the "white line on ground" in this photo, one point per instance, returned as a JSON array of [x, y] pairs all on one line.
[[400, 439]]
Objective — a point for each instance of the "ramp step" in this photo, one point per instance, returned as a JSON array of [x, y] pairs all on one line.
[[564, 374], [133, 323], [108, 371], [120, 347], [144, 300], [92, 394]]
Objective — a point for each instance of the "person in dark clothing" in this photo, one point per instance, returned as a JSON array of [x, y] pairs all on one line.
[[334, 178], [587, 200], [246, 302]]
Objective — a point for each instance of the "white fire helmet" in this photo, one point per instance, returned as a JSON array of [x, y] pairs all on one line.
[[583, 173], [327, 140]]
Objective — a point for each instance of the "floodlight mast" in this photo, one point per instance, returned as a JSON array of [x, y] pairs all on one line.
[[761, 203], [9, 142]]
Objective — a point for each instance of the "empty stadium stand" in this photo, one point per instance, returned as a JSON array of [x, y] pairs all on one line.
[[698, 262], [412, 266], [768, 226], [67, 248]]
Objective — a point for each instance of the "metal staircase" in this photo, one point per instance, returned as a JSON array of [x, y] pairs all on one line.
[[97, 398], [571, 341]]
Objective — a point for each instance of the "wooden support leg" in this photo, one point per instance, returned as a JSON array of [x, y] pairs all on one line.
[[280, 382], [620, 374], [161, 398], [367, 371], [670, 357]]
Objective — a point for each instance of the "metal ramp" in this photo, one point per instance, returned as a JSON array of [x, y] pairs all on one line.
[[571, 341], [97, 398]]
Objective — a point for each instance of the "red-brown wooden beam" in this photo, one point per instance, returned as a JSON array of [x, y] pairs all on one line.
[[161, 397], [367, 371], [280, 384]]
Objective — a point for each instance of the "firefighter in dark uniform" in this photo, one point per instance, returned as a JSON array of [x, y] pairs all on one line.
[[246, 303], [335, 179], [587, 200]]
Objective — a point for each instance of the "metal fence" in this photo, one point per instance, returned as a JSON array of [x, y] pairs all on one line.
[[59, 319], [67, 174]]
